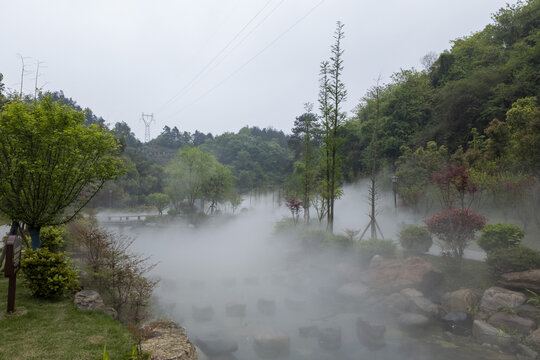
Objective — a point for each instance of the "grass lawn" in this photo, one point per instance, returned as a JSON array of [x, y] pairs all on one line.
[[58, 330]]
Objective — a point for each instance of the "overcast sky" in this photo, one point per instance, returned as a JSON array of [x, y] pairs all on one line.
[[218, 65]]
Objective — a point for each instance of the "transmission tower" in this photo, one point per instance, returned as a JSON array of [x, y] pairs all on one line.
[[147, 120]]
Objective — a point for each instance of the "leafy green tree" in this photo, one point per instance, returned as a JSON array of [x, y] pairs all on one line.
[[2, 89], [258, 159], [186, 174], [415, 170], [159, 200], [194, 174], [235, 200], [123, 132], [217, 186], [51, 164], [524, 121]]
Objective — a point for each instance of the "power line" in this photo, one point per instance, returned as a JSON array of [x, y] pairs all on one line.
[[193, 83], [215, 57], [251, 59]]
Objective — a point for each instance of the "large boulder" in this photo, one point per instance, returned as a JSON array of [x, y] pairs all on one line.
[[486, 333], [529, 279], [529, 311], [394, 275], [216, 344], [496, 298], [424, 306], [462, 300], [411, 321], [165, 340], [89, 300], [369, 334], [413, 301], [271, 345], [397, 302], [534, 338], [512, 322], [457, 323]]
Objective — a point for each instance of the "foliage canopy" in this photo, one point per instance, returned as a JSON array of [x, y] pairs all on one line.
[[51, 164]]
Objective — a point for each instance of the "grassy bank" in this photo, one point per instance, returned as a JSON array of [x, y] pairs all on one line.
[[58, 330]]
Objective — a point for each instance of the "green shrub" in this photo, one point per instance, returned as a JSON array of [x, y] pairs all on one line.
[[338, 240], [415, 239], [369, 248], [284, 225], [312, 238], [513, 259], [500, 236], [48, 274], [52, 237]]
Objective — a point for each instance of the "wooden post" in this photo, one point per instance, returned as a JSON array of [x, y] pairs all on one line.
[[13, 262]]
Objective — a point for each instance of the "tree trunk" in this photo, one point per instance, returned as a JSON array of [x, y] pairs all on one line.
[[34, 235]]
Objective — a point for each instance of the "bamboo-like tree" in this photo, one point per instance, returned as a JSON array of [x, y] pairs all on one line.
[[333, 94], [373, 191], [306, 129]]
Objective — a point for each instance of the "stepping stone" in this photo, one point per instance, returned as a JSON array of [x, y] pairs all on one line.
[[271, 345], [216, 344]]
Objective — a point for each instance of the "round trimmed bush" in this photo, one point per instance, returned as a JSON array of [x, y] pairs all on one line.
[[369, 248], [415, 239], [500, 236], [48, 274], [513, 259]]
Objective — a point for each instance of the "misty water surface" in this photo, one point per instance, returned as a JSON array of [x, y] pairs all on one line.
[[238, 261]]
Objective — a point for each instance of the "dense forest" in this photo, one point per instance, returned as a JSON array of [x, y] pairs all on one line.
[[475, 106]]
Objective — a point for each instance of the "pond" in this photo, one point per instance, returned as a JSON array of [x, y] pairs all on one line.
[[234, 286]]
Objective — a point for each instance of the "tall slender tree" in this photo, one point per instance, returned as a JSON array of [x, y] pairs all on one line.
[[324, 108], [305, 131], [373, 191], [335, 95]]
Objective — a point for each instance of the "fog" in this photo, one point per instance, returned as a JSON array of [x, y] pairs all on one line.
[[234, 281]]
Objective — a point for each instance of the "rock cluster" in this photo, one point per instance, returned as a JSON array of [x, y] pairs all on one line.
[[394, 275], [91, 300], [167, 341], [498, 316]]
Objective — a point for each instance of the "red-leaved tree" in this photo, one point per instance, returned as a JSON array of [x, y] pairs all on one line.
[[295, 206], [455, 227], [455, 185]]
